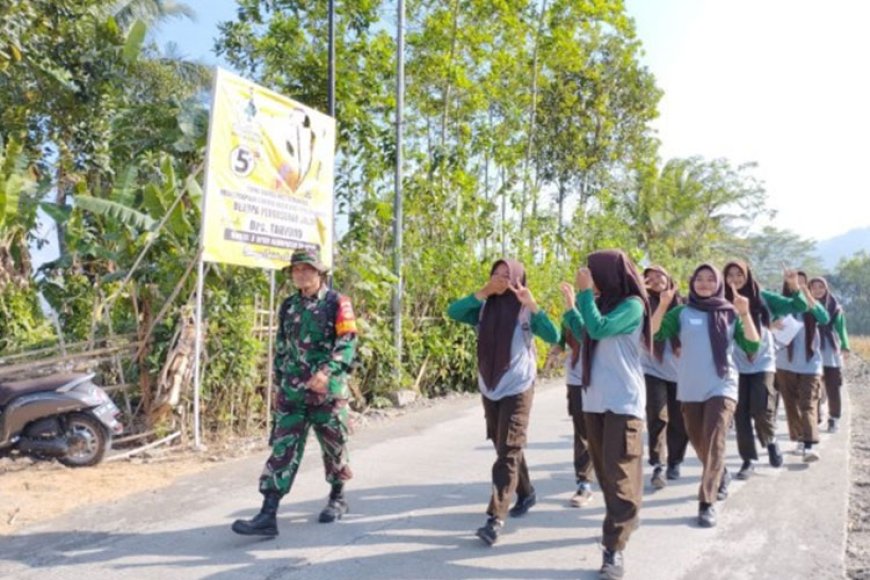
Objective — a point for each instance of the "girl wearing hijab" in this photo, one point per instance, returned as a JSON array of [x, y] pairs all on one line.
[[574, 377], [615, 329], [799, 372], [709, 327], [756, 399], [664, 421], [834, 346], [506, 316]]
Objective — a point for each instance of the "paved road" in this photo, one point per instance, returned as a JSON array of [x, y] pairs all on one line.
[[420, 491]]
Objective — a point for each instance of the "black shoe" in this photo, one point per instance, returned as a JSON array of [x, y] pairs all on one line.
[[612, 566], [832, 425], [774, 455], [673, 471], [707, 515], [524, 503], [658, 477], [723, 485], [336, 508], [265, 522], [745, 470], [490, 531]]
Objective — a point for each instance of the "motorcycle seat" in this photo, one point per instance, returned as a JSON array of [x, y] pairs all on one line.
[[13, 389]]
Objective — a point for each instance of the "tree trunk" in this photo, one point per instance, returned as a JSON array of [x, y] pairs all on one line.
[[532, 119]]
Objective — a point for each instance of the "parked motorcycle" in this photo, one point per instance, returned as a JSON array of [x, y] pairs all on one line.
[[63, 416]]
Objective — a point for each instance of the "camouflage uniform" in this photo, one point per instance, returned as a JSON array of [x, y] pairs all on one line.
[[315, 333]]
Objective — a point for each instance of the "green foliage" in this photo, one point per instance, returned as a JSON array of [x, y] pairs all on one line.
[[528, 137], [21, 321], [232, 377], [851, 283]]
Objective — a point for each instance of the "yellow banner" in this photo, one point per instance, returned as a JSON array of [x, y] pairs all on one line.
[[269, 177]]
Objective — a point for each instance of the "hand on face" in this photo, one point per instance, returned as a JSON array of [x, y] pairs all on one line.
[[495, 286], [791, 278], [655, 282], [583, 280]]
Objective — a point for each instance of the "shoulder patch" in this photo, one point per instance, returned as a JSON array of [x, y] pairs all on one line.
[[345, 321]]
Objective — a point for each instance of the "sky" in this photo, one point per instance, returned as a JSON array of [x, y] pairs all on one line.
[[783, 83]]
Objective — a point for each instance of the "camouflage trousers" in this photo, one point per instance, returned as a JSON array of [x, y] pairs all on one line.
[[293, 420]]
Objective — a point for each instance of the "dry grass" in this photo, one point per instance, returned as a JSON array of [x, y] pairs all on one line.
[[860, 345]]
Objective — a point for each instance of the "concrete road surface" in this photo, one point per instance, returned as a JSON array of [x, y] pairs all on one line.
[[420, 490]]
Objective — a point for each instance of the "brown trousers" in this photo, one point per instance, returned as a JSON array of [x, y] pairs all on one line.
[[833, 379], [582, 459], [756, 402], [507, 421], [616, 446], [664, 422], [800, 397], [707, 425]]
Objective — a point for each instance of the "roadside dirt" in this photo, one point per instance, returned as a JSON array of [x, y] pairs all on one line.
[[858, 544], [35, 491]]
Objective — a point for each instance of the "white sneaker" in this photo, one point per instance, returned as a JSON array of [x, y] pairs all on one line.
[[583, 495], [799, 448], [811, 455]]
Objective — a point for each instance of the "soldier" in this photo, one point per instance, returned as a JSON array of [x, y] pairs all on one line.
[[314, 349]]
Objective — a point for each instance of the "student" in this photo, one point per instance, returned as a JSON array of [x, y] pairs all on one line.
[[756, 401], [615, 328], [664, 420], [574, 378], [834, 346], [506, 316], [709, 327], [799, 372]]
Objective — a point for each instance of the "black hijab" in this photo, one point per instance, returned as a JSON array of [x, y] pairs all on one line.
[[497, 325], [720, 314], [617, 279]]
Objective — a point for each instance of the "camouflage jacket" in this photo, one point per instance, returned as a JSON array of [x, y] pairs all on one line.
[[315, 333]]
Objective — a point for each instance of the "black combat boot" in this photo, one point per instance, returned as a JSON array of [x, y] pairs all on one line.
[[336, 507], [265, 522]]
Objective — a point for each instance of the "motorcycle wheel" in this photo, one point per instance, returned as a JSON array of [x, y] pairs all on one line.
[[87, 440]]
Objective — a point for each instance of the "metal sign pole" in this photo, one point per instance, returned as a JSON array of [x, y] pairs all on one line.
[[397, 202], [197, 371], [271, 359]]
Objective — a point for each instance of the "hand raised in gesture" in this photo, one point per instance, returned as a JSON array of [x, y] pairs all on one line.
[[567, 295], [583, 280], [524, 295]]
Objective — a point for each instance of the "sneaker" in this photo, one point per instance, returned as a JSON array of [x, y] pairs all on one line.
[[745, 470], [799, 448], [523, 504], [612, 567], [774, 455], [673, 471], [490, 531], [723, 485], [811, 455], [707, 515], [583, 494], [832, 425], [333, 511], [658, 479]]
